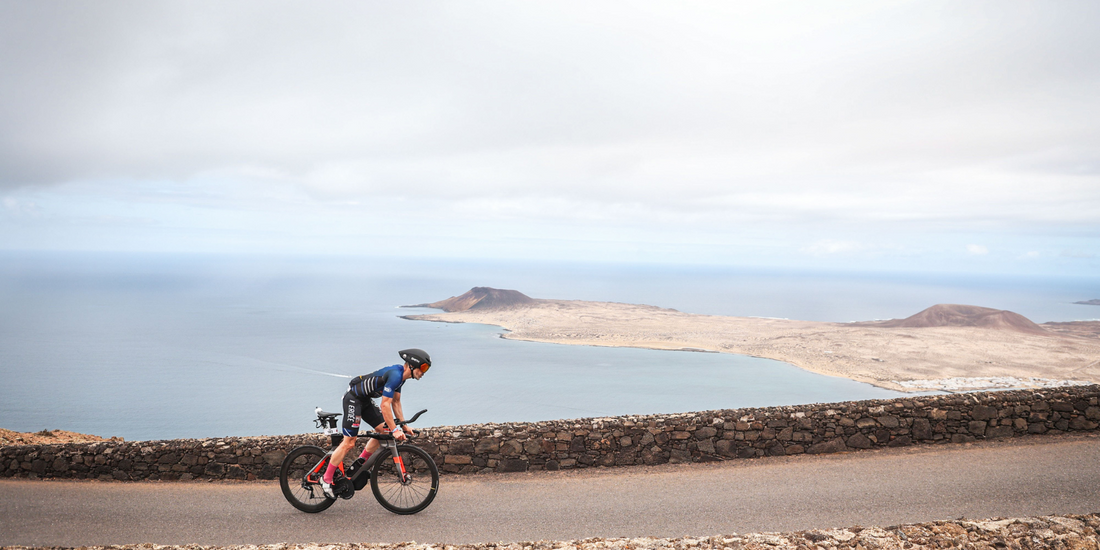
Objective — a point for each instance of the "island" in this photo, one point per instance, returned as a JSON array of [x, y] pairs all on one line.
[[944, 347], [1094, 302]]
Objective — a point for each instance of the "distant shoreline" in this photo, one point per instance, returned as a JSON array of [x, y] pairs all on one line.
[[947, 358]]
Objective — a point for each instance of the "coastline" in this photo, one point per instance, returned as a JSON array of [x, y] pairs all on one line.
[[901, 359]]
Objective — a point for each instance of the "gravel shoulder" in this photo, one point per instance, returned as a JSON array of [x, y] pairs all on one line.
[[1070, 532]]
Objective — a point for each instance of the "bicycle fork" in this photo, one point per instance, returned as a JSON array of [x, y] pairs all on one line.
[[399, 462]]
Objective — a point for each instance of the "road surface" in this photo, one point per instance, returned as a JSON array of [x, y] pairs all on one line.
[[1034, 476]]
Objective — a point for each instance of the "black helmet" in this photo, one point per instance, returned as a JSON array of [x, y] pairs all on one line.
[[416, 358]]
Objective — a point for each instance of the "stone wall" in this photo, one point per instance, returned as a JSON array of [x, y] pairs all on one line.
[[616, 441]]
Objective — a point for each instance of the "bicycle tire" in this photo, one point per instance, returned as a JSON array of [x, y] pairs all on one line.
[[405, 497], [300, 476]]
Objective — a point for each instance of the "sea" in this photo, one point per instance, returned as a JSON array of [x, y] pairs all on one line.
[[160, 346]]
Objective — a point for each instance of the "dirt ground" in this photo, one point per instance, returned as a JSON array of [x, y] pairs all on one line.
[[46, 437]]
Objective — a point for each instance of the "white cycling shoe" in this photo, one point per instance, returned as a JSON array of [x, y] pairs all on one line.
[[326, 488]]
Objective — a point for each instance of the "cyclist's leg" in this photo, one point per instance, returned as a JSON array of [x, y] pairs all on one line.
[[350, 428], [373, 417]]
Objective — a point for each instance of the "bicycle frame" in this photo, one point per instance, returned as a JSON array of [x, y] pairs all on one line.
[[392, 446], [404, 488], [385, 439]]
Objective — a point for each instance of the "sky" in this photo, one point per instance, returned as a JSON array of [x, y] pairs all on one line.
[[885, 135]]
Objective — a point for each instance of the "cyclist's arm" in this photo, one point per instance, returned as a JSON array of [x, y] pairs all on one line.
[[391, 400], [389, 406], [400, 414]]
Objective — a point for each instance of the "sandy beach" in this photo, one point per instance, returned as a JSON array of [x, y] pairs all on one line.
[[897, 358]]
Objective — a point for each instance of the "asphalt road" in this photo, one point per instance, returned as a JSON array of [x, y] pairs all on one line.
[[1043, 475]]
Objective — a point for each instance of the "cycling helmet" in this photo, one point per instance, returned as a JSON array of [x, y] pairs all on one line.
[[416, 358]]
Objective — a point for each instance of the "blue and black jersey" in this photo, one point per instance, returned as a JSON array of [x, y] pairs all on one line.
[[383, 382]]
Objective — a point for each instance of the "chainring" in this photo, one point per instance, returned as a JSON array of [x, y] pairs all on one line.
[[343, 487]]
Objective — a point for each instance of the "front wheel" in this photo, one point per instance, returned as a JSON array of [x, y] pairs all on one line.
[[300, 478], [406, 494]]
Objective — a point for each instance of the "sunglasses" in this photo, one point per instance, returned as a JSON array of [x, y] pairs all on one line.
[[424, 368]]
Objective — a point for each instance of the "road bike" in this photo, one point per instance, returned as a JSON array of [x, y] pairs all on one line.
[[403, 477]]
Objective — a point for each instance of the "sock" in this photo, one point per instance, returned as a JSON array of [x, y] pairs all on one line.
[[365, 455], [329, 472]]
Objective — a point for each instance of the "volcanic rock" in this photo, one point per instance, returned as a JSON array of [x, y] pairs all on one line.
[[954, 315], [482, 298]]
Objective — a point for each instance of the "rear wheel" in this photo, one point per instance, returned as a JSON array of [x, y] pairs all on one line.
[[300, 478], [411, 493]]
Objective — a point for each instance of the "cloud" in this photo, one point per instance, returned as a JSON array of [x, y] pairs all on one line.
[[21, 208], [830, 247], [828, 120], [977, 250]]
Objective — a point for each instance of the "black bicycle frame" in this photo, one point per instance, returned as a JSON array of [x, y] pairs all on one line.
[[385, 439]]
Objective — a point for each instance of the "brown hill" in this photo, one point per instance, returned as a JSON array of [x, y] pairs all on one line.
[[482, 298], [954, 315]]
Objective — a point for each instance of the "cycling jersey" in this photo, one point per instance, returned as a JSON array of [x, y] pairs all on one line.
[[383, 382]]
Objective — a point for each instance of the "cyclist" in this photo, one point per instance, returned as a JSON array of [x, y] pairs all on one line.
[[359, 405]]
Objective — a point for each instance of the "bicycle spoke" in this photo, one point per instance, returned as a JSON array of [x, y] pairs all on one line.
[[405, 496], [411, 495], [300, 477]]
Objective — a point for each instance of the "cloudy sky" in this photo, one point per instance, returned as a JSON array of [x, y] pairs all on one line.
[[881, 135]]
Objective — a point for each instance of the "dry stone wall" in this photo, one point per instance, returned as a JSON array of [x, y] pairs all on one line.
[[615, 441]]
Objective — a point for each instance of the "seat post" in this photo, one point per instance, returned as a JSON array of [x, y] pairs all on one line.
[[335, 438]]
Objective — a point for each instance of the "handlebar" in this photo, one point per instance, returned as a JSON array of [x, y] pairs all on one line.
[[387, 436], [413, 419]]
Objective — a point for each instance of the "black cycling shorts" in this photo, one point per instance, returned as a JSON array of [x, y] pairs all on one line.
[[357, 409]]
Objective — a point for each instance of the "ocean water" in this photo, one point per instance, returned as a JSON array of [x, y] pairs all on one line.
[[158, 347]]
